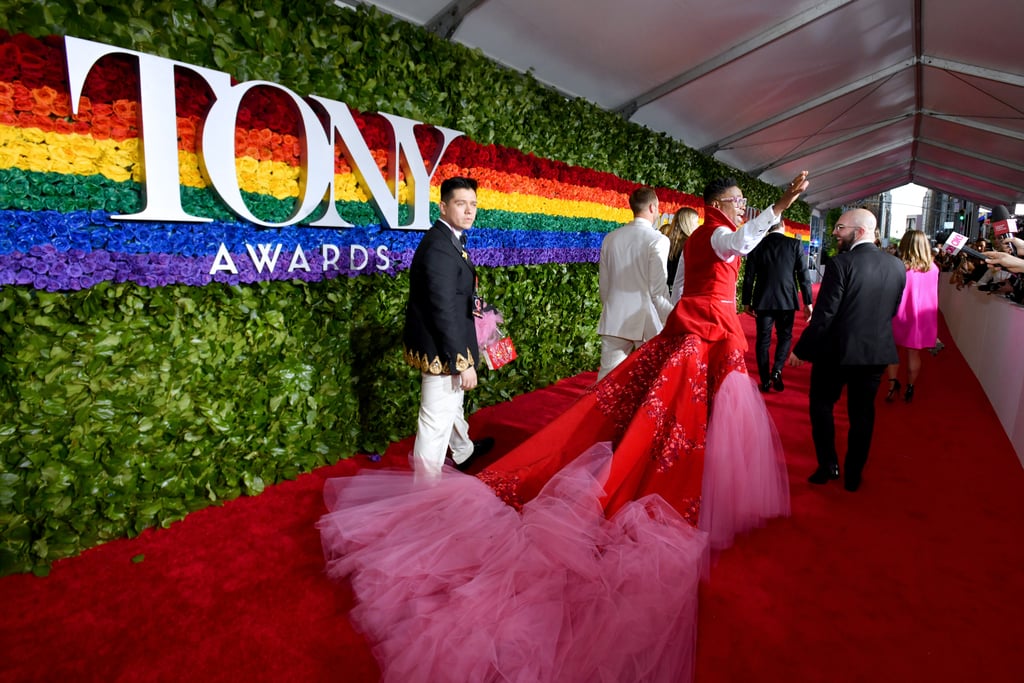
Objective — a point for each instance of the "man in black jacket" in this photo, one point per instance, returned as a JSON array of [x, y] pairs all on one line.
[[775, 278], [849, 340], [440, 332]]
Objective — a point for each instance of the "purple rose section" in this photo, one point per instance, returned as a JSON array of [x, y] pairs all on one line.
[[51, 270], [60, 252], [44, 267]]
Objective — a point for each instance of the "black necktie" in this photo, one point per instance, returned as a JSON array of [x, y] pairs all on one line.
[[462, 239]]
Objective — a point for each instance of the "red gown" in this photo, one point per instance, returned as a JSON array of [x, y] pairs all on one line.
[[656, 409], [590, 571]]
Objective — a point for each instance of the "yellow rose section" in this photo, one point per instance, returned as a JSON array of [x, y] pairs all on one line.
[[35, 150]]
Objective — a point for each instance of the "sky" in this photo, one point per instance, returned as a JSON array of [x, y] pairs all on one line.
[[906, 201]]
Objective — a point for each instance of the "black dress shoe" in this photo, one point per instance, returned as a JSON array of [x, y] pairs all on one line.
[[764, 387], [852, 481], [483, 446], [824, 475], [777, 381], [480, 448]]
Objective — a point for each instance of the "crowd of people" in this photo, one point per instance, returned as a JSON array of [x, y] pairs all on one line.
[[999, 274]]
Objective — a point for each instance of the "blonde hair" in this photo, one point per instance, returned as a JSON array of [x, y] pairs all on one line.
[[679, 230], [915, 251]]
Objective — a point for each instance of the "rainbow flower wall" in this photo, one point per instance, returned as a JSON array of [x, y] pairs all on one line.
[[799, 231], [62, 176], [136, 387]]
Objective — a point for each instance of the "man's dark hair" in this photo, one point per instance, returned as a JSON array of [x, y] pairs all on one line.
[[641, 198], [449, 186], [716, 188]]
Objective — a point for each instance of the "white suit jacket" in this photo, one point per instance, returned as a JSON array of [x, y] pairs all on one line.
[[633, 277]]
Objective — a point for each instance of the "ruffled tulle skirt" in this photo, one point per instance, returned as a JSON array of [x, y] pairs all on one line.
[[687, 423], [585, 565], [745, 481], [455, 585]]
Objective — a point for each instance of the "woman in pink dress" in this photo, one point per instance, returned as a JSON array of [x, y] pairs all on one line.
[[585, 565], [916, 324]]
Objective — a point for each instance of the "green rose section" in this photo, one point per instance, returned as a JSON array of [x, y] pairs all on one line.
[[28, 191]]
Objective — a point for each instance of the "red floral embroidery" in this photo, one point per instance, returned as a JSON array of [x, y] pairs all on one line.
[[733, 363], [505, 486], [667, 380], [690, 510]]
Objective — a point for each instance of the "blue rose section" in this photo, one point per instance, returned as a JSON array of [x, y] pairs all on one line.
[[57, 251]]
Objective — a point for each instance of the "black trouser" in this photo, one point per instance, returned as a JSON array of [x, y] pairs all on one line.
[[783, 323], [827, 382]]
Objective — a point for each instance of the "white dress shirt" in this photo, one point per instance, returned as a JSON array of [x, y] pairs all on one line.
[[728, 244]]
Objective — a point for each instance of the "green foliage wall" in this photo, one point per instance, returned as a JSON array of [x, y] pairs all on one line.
[[126, 407], [123, 407]]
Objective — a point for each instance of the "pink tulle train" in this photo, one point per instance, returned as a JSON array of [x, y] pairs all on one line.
[[745, 481], [454, 585]]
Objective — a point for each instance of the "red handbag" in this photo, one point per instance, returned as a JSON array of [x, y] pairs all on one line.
[[500, 353], [496, 348]]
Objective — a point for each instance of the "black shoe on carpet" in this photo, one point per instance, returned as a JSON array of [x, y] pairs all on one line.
[[480, 448], [824, 475]]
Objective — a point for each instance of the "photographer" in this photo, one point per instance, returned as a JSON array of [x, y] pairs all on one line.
[[995, 278], [1005, 227], [967, 270], [1009, 260]]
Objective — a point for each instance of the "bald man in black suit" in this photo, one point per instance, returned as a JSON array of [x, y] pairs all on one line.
[[849, 340]]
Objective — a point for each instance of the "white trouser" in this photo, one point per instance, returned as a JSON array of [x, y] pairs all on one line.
[[440, 425], [614, 350]]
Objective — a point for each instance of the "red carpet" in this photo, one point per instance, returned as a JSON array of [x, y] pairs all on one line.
[[916, 577]]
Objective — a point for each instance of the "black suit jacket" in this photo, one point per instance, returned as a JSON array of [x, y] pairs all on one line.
[[772, 273], [440, 330], [852, 322]]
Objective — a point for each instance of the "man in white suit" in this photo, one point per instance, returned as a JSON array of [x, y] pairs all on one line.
[[633, 277]]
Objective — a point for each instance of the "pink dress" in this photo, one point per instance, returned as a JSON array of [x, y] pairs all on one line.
[[916, 325]]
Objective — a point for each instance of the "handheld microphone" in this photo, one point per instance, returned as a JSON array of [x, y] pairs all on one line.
[[957, 244], [1003, 225]]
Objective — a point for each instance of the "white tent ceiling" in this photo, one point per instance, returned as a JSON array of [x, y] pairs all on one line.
[[867, 95]]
